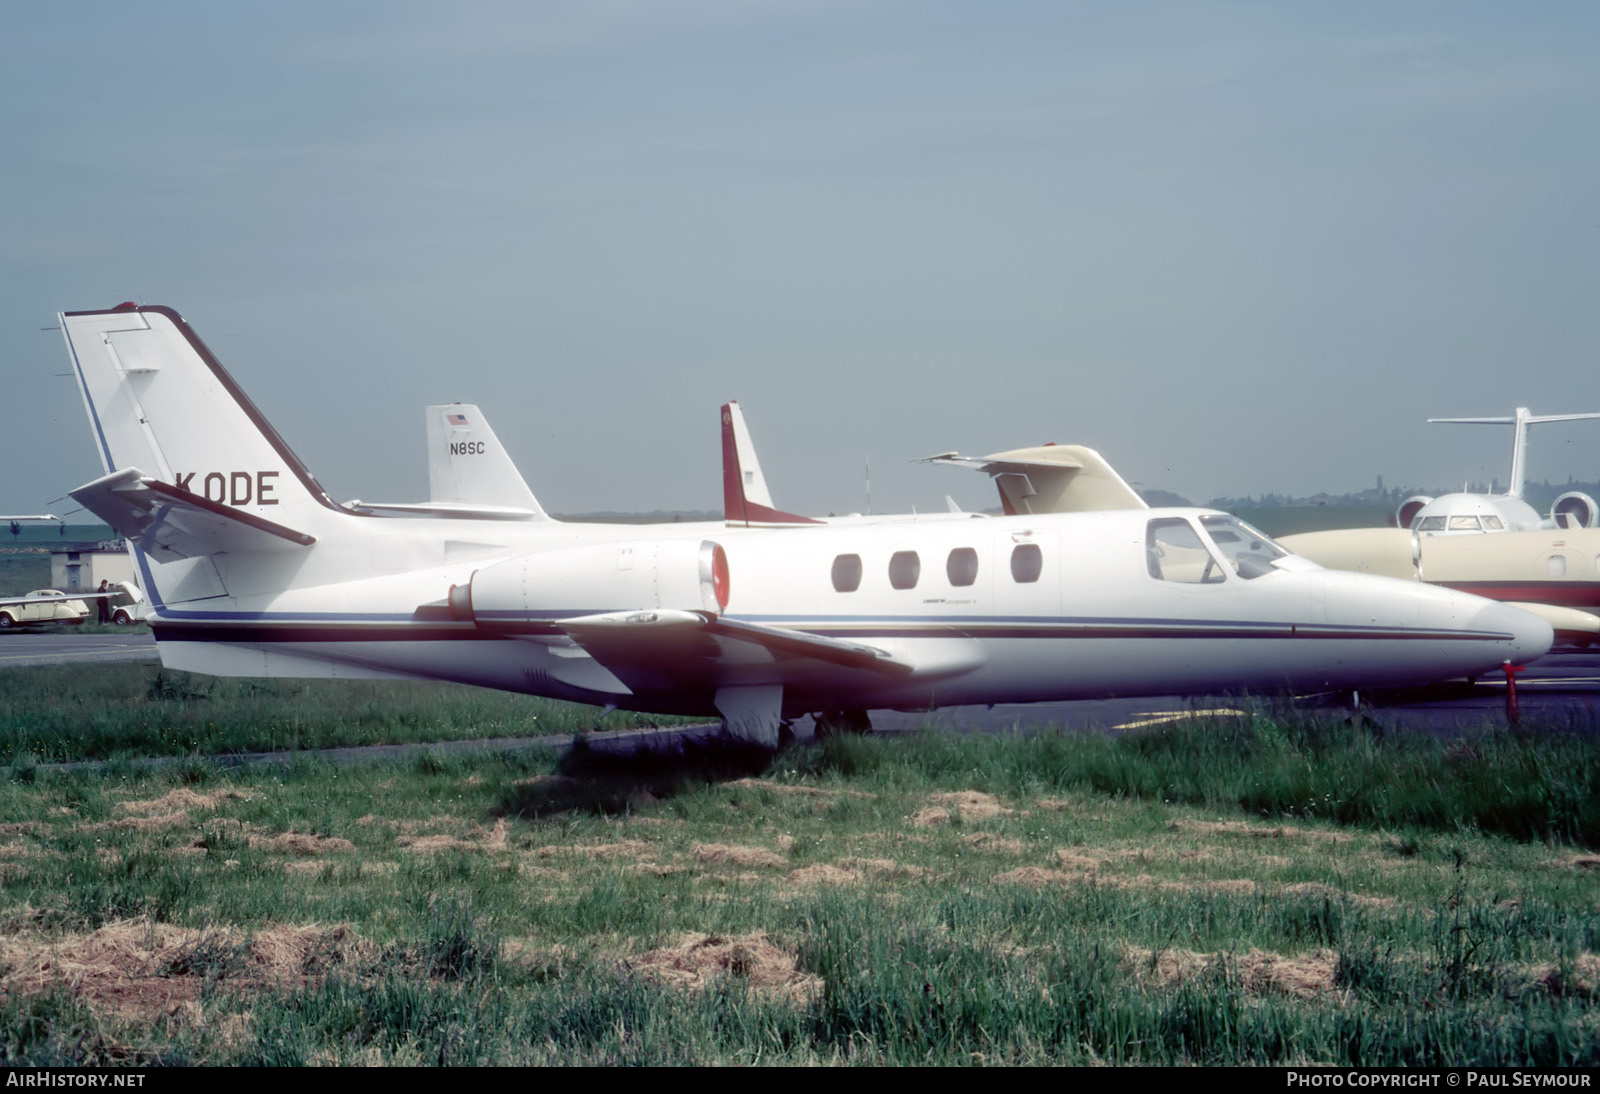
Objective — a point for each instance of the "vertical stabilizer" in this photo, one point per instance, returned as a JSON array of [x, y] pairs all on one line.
[[1519, 440], [468, 464], [745, 499], [158, 400]]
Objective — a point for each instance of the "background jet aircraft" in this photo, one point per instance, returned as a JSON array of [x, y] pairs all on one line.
[[253, 570], [1467, 512]]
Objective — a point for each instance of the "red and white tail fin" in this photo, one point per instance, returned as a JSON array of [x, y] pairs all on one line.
[[745, 499]]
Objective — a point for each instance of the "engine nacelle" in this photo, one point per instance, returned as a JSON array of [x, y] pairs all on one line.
[[1575, 510], [537, 588], [1409, 509]]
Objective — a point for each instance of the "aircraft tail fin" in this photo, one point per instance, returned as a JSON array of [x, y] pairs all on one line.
[[1521, 420], [1051, 478], [467, 464], [745, 498], [160, 402]]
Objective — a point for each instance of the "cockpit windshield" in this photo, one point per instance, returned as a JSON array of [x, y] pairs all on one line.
[[1249, 551]]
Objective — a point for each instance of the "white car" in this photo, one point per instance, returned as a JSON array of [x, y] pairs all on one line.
[[42, 606]]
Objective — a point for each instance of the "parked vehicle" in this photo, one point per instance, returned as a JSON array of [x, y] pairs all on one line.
[[42, 606]]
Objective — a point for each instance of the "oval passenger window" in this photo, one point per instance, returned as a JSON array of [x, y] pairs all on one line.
[[904, 569], [1027, 563], [962, 566], [847, 573]]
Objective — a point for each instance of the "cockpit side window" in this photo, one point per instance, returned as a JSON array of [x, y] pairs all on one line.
[[1175, 553], [1248, 550], [1431, 524], [1493, 524]]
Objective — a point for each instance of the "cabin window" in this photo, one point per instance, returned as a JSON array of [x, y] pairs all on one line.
[[1174, 552], [1557, 565], [1027, 563], [962, 566], [904, 569], [847, 573]]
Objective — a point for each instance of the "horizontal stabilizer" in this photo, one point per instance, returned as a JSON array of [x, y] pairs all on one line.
[[446, 510], [169, 523], [1051, 478]]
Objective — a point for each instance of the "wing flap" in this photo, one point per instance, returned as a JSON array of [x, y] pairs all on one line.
[[170, 523]]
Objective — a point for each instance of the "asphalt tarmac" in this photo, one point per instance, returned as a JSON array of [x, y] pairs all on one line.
[[24, 647]]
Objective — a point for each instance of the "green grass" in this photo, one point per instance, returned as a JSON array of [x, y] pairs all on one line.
[[63, 713], [935, 899]]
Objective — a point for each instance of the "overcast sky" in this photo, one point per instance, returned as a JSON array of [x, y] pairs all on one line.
[[1237, 247]]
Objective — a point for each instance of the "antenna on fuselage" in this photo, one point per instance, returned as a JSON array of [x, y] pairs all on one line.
[[1519, 443]]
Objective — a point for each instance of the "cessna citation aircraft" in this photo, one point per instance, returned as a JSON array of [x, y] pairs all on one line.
[[252, 570]]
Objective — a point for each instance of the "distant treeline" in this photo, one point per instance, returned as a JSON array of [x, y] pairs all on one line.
[[1537, 494]]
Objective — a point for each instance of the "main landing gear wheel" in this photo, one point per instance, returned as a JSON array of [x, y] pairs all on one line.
[[831, 722]]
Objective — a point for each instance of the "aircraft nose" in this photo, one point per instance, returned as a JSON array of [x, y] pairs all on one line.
[[1531, 636]]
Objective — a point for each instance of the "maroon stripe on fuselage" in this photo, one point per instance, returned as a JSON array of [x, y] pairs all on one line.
[[1566, 594]]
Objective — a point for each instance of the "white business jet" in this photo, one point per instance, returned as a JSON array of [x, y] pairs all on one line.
[[253, 570]]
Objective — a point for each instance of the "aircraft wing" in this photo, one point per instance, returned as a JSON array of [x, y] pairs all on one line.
[[170, 523], [699, 648]]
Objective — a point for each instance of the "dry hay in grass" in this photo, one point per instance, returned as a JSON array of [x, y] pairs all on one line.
[[154, 822], [823, 873], [181, 798], [1038, 877], [628, 848], [698, 960], [735, 854], [301, 843], [1072, 860], [972, 805], [1309, 976], [988, 841], [1577, 862], [882, 867], [828, 793], [1258, 831], [1580, 979], [145, 970], [1317, 889], [482, 839]]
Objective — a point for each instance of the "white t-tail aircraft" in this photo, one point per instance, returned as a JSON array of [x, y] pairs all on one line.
[[1466, 513], [252, 569]]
